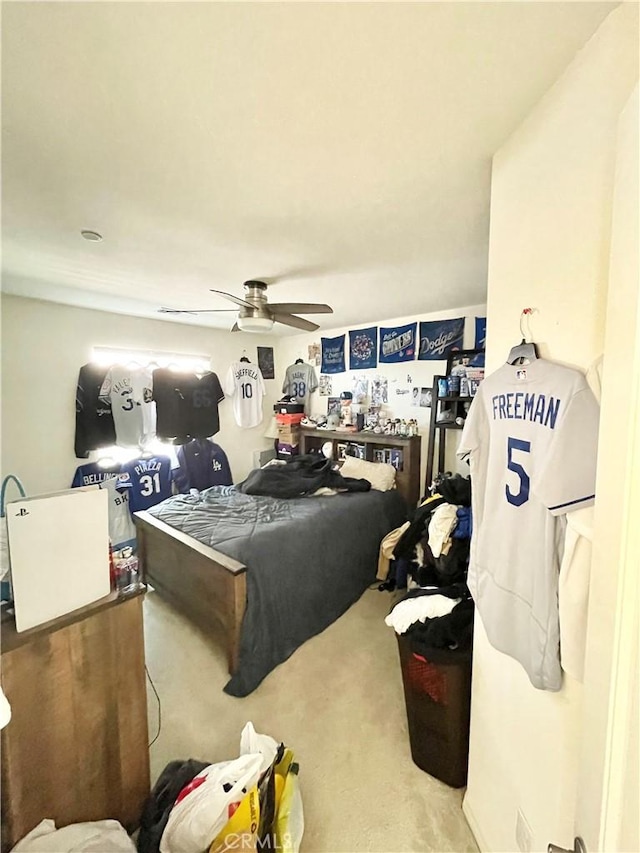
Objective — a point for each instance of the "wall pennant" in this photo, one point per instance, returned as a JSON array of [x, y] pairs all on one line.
[[332, 355], [481, 332], [397, 344], [363, 348], [439, 338]]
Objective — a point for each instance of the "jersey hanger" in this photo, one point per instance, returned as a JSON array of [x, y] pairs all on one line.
[[525, 351], [244, 356], [299, 361]]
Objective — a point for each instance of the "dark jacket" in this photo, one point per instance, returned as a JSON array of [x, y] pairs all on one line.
[[302, 475]]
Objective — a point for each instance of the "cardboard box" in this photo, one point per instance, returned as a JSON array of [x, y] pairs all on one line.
[[289, 434]]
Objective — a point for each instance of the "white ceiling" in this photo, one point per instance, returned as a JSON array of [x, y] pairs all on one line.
[[341, 150]]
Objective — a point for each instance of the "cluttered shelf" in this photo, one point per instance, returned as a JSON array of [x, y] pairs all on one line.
[[451, 395], [403, 452]]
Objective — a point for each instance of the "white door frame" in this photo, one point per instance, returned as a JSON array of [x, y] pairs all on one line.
[[608, 770]]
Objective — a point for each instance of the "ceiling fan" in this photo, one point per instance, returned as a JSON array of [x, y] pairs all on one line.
[[255, 314]]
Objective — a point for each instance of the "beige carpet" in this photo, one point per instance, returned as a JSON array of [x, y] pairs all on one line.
[[338, 702]]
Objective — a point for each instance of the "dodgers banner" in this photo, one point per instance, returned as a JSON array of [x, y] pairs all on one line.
[[363, 348], [332, 355], [397, 344], [438, 338], [481, 332]]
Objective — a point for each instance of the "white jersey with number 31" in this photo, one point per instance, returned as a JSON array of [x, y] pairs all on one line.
[[531, 437], [245, 384]]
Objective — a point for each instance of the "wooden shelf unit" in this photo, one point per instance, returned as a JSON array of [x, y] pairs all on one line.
[[407, 479]]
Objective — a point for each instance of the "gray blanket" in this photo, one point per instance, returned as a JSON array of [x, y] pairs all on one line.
[[308, 560]]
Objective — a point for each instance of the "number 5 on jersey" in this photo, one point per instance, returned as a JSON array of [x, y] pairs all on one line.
[[517, 445]]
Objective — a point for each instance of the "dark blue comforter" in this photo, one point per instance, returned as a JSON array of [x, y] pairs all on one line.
[[308, 560]]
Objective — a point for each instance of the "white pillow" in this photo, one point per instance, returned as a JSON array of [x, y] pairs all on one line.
[[381, 476]]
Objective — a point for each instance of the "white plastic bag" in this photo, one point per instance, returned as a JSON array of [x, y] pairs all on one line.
[[204, 807], [251, 743]]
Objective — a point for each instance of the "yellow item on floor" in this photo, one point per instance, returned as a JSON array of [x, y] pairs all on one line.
[[240, 833]]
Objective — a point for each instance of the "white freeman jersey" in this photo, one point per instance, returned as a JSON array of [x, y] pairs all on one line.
[[245, 384], [531, 438], [299, 381], [130, 392]]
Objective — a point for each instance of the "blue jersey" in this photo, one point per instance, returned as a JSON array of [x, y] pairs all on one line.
[[92, 474], [148, 481], [203, 463]]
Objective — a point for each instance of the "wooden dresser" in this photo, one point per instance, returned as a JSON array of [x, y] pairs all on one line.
[[76, 747]]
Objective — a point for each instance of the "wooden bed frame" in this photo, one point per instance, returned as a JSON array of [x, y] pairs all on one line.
[[206, 586]]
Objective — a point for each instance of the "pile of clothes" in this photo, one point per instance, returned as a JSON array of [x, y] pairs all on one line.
[[430, 556]]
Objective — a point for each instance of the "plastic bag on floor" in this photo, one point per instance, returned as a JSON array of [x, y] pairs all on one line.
[[289, 818], [241, 830], [99, 836], [205, 805], [251, 742]]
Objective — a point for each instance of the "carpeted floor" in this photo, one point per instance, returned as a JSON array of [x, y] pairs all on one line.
[[338, 702]]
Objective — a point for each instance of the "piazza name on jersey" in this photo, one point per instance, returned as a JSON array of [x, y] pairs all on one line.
[[143, 466], [518, 406]]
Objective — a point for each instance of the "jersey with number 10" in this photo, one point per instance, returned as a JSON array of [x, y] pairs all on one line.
[[245, 384], [531, 437], [148, 481]]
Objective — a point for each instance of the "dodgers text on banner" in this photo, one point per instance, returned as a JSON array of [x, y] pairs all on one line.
[[439, 338]]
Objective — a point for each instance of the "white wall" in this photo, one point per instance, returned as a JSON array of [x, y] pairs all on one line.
[[421, 373], [549, 248], [44, 345]]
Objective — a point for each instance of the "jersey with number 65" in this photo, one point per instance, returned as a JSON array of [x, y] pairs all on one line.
[[531, 438], [147, 481], [245, 384]]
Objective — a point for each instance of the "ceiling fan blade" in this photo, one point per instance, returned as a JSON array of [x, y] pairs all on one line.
[[235, 328], [301, 307], [195, 310], [296, 322], [233, 298]]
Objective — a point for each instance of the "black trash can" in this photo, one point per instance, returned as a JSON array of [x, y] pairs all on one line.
[[437, 691]]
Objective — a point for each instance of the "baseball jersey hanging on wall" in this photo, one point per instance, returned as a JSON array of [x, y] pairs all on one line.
[[531, 438], [128, 389], [94, 421], [147, 481], [299, 382], [245, 384], [186, 404]]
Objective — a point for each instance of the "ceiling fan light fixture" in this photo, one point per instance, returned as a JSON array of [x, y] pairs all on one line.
[[255, 324]]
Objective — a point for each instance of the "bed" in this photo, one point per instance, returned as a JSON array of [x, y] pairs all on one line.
[[264, 574]]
